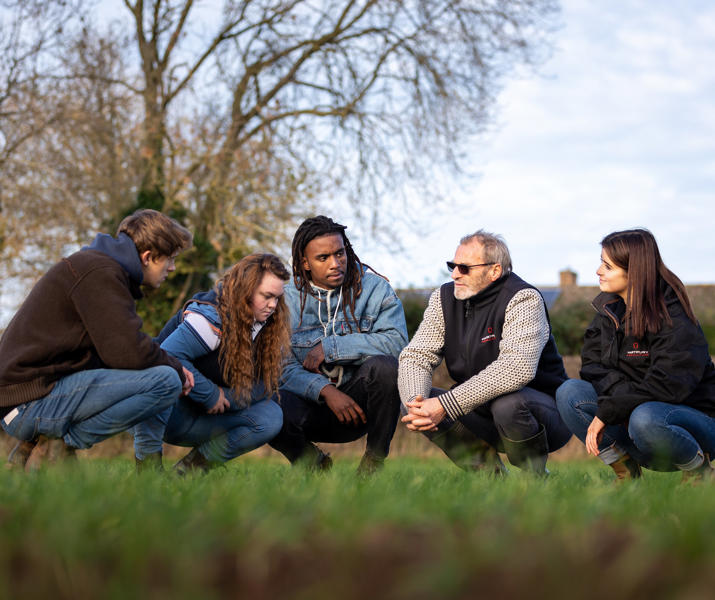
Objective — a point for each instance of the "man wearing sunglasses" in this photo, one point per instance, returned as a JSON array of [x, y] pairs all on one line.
[[492, 330]]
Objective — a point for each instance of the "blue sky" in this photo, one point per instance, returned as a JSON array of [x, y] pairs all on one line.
[[615, 130]]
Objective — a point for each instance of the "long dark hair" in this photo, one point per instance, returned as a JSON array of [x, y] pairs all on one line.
[[636, 252], [352, 284]]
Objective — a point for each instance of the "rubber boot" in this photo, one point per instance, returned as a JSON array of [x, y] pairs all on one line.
[[467, 451], [529, 454], [151, 462], [626, 468]]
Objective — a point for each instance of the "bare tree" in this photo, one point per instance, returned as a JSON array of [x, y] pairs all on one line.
[[238, 121], [372, 94]]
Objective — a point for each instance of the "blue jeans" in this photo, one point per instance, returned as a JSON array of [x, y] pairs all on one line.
[[89, 406], [659, 435], [219, 438]]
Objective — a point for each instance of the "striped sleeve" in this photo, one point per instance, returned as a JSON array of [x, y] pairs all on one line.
[[423, 354]]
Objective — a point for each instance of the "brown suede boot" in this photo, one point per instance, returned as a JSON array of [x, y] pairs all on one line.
[[48, 451], [700, 474], [626, 468], [17, 459]]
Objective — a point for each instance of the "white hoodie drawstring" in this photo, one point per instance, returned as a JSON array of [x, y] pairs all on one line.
[[335, 374], [327, 305]]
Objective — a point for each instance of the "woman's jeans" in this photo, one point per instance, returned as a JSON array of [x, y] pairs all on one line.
[[89, 406], [659, 435], [219, 437]]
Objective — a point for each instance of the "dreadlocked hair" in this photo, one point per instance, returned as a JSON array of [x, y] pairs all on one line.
[[352, 284], [243, 362]]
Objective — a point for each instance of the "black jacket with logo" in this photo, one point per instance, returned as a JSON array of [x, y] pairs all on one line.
[[672, 365]]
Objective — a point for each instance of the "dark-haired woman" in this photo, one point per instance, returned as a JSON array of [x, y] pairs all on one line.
[[646, 397], [233, 339]]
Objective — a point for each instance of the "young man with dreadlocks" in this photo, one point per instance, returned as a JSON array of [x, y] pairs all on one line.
[[340, 380]]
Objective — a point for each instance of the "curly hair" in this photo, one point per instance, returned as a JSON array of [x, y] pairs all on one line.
[[352, 284], [244, 362]]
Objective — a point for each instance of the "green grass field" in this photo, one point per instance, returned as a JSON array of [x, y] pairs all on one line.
[[419, 529]]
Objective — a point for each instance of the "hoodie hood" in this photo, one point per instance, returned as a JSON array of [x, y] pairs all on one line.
[[123, 250]]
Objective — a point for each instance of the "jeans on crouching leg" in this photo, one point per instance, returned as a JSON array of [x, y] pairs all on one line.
[[577, 402], [89, 406], [219, 437]]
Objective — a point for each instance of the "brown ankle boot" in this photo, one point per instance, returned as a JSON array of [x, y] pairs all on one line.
[[626, 468], [700, 474], [47, 451], [17, 459]]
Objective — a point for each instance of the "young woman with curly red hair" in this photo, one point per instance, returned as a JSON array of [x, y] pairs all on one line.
[[233, 339]]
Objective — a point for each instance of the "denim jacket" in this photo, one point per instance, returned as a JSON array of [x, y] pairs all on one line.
[[380, 330], [197, 336]]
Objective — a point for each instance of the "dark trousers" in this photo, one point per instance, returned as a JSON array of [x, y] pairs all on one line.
[[373, 388], [517, 416]]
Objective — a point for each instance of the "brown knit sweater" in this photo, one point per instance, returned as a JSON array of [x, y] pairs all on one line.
[[80, 315]]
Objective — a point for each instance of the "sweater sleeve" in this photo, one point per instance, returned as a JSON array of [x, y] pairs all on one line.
[[525, 333], [423, 354], [108, 311]]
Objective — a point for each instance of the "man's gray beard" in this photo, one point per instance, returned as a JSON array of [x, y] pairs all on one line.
[[464, 294]]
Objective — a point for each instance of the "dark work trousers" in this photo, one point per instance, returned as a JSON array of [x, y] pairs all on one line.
[[373, 387], [516, 416]]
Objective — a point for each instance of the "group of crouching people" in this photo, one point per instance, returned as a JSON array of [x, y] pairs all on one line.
[[321, 354]]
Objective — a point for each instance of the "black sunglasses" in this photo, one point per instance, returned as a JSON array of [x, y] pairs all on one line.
[[464, 269]]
